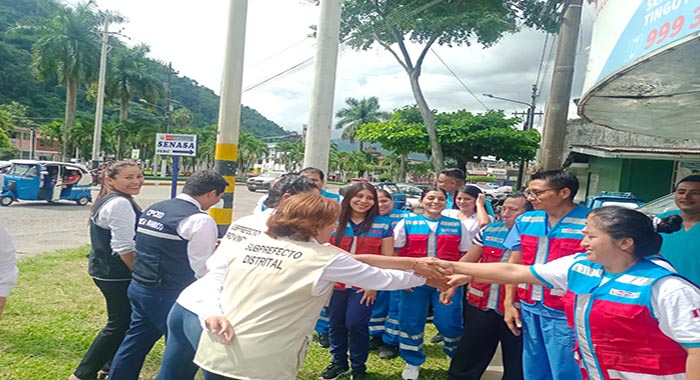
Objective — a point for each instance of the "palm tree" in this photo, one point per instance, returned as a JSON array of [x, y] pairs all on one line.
[[67, 48], [356, 114], [250, 149], [292, 154], [131, 79]]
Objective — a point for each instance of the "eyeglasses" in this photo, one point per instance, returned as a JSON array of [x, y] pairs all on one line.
[[536, 193]]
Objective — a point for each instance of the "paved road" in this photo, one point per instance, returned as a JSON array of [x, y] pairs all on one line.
[[38, 227]]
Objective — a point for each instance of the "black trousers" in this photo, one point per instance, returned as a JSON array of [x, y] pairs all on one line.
[[105, 345], [482, 332]]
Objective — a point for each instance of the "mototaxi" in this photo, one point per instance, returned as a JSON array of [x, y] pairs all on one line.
[[46, 181]]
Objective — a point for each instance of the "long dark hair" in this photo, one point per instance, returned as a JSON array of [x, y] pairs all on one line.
[[346, 210], [621, 222], [111, 170]]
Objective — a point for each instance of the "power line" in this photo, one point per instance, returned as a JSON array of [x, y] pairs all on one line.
[[459, 80]]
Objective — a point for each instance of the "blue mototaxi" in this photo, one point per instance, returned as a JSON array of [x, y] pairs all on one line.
[[46, 181]]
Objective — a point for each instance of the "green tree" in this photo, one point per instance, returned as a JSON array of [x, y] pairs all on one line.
[[292, 154], [466, 137], [182, 117], [67, 49], [250, 149], [402, 134], [130, 78], [357, 113], [394, 24]]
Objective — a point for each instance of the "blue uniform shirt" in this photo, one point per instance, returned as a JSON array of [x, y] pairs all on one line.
[[682, 249]]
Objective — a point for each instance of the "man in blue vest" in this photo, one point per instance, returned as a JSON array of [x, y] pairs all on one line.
[[451, 180], [174, 238], [552, 231], [681, 248]]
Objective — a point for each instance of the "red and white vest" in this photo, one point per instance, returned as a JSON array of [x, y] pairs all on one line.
[[421, 241], [541, 244], [483, 295]]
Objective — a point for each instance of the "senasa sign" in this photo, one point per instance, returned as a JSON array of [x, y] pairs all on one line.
[[169, 144]]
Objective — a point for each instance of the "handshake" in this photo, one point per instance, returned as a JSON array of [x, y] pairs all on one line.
[[439, 274]]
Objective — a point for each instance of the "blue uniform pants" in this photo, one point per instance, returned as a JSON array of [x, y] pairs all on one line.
[[348, 328], [380, 311], [414, 311], [548, 346], [322, 323], [149, 315], [391, 327]]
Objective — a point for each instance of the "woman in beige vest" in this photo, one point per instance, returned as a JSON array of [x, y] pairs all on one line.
[[277, 283]]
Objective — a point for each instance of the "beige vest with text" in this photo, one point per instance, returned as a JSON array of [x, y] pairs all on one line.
[[268, 298]]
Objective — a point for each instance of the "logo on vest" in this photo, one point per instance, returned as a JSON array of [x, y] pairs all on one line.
[[494, 239], [151, 224], [624, 293], [571, 231]]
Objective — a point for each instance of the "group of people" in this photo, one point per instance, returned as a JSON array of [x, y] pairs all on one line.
[[568, 293]]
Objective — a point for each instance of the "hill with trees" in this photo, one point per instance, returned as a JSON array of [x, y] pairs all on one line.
[[49, 57]]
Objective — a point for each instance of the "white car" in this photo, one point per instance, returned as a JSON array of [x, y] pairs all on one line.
[[262, 182]]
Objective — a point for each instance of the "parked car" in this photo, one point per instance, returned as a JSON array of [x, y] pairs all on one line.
[[659, 205], [413, 194], [491, 192], [613, 199], [262, 182]]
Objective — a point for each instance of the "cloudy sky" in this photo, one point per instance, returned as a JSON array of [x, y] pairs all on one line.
[[192, 37]]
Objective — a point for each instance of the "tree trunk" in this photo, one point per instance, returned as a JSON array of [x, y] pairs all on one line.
[[362, 147], [71, 98], [403, 163], [121, 136], [435, 148]]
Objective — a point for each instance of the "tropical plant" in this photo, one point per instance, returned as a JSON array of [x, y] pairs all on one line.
[[393, 25], [182, 117], [67, 49], [357, 113], [130, 78], [250, 149]]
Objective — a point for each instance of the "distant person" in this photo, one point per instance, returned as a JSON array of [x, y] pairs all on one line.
[[8, 267], [682, 248], [113, 221], [316, 176], [554, 230], [174, 239], [451, 180]]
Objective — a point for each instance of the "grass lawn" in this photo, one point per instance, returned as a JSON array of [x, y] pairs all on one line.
[[55, 311]]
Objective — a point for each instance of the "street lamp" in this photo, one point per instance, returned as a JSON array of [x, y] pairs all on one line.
[[529, 122]]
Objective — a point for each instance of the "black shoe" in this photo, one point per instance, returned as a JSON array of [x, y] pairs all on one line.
[[388, 352], [358, 374], [324, 341], [436, 339], [375, 343], [333, 371]]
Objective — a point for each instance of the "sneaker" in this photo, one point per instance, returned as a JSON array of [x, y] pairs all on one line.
[[410, 372], [358, 374], [324, 341], [375, 343], [388, 352], [333, 371], [436, 339]]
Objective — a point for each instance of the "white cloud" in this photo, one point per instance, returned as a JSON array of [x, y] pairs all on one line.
[[192, 37]]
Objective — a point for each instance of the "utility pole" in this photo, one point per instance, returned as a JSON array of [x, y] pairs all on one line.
[[557, 110], [226, 153], [97, 135], [318, 137], [166, 119]]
